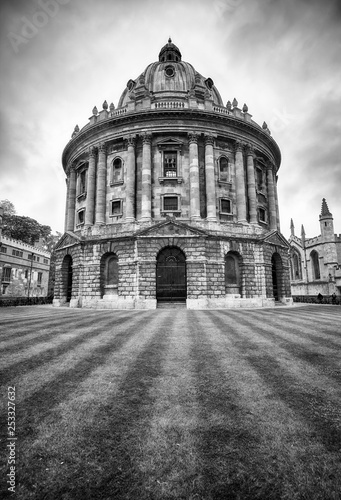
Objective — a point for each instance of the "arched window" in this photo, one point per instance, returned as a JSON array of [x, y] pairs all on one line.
[[109, 274], [224, 173], [232, 273], [315, 265], [117, 171], [296, 267]]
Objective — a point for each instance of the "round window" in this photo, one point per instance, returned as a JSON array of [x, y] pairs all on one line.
[[170, 71]]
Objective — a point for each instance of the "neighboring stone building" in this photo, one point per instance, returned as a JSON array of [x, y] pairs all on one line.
[[316, 262], [24, 269], [171, 197]]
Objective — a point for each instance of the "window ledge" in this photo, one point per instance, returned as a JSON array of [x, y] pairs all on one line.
[[179, 180], [81, 196], [116, 183], [220, 181]]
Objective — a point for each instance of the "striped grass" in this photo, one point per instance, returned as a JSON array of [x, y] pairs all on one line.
[[174, 404]]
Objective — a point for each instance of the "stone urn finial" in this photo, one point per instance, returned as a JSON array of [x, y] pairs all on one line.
[[245, 108], [229, 105], [105, 105], [95, 111], [235, 103]]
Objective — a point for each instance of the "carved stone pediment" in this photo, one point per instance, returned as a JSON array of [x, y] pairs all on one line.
[[171, 227], [276, 238], [67, 240], [170, 143]]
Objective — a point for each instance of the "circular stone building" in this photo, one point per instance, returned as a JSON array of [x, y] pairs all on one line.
[[171, 197]]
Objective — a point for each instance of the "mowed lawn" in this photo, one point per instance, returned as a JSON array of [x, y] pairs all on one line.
[[174, 404]]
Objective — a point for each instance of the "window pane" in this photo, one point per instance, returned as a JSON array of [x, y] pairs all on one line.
[[170, 203], [117, 171], [223, 169], [170, 169], [116, 207], [226, 206]]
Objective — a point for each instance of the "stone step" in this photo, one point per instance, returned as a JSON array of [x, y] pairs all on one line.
[[171, 305]]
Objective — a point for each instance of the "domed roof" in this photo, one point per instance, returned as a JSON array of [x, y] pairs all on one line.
[[170, 77]]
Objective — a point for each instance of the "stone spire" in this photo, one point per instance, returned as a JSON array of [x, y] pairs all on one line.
[[292, 228], [303, 234], [324, 209]]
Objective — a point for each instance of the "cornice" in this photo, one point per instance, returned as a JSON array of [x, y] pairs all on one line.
[[147, 116]]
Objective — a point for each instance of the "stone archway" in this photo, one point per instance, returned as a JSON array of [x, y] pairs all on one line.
[[171, 282]]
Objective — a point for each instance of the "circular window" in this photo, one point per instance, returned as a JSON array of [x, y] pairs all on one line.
[[170, 71]]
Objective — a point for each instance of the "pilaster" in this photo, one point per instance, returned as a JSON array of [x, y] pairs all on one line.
[[130, 185], [271, 197], [71, 203], [194, 176], [210, 179], [101, 184], [91, 189], [146, 177], [251, 185], [240, 182]]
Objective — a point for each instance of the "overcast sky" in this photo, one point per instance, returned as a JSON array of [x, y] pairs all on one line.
[[281, 57]]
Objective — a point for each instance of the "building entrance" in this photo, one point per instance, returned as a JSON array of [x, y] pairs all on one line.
[[171, 275]]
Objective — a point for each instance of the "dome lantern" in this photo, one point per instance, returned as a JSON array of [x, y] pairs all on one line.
[[169, 52]]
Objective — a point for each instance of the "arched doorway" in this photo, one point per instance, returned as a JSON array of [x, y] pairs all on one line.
[[67, 277], [277, 273], [171, 275]]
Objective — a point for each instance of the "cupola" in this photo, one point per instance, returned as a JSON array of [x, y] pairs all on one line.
[[170, 52]]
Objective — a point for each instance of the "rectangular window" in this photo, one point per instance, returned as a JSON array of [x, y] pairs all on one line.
[[30, 256], [6, 275], [81, 216], [170, 203], [46, 261], [81, 187], [262, 215], [26, 274], [225, 206], [40, 277], [17, 253], [259, 179], [116, 207], [170, 164], [3, 249]]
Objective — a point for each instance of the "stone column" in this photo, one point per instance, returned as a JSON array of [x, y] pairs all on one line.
[[277, 204], [251, 185], [194, 176], [101, 187], [210, 179], [66, 201], [146, 178], [91, 189], [240, 183], [271, 197], [71, 201], [130, 184]]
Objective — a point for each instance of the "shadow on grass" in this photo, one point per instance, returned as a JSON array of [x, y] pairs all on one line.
[[324, 362], [233, 464], [103, 461], [94, 328], [309, 404]]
